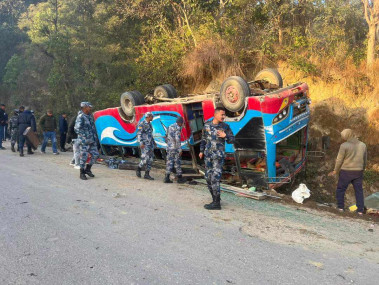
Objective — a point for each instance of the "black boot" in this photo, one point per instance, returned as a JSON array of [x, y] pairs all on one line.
[[180, 179], [30, 150], [147, 175], [12, 147], [88, 171], [83, 174], [215, 205], [167, 179], [138, 172], [21, 152]]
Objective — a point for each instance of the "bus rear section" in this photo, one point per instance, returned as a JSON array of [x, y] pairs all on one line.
[[271, 138], [286, 133]]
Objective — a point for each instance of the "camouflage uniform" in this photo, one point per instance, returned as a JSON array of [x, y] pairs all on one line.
[[213, 148], [85, 128], [145, 137], [13, 129], [173, 149]]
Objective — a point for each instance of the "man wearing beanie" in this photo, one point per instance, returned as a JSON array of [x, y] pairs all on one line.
[[174, 151], [350, 164]]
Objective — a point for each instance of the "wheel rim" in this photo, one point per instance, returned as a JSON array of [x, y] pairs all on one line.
[[160, 94], [128, 104], [232, 94]]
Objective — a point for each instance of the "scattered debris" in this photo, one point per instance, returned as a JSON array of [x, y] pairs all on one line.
[[238, 191], [353, 208], [372, 201], [319, 265], [301, 193]]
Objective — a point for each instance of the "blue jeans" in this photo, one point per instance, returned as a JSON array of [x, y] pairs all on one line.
[[2, 130], [52, 137]]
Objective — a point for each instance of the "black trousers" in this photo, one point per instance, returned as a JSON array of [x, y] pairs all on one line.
[[62, 140], [354, 177], [22, 141]]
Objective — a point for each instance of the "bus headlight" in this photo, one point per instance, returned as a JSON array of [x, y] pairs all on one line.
[[281, 116]]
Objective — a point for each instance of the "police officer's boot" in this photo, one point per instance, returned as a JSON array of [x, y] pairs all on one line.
[[12, 147], [167, 179], [83, 174], [180, 179], [138, 172], [147, 175], [88, 171], [215, 205]]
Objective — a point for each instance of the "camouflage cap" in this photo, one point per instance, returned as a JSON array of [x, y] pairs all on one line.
[[85, 104]]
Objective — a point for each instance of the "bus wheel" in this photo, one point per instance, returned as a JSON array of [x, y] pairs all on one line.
[[165, 91], [271, 75], [129, 100], [233, 92]]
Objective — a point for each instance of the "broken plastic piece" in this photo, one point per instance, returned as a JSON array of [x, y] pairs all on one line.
[[301, 193]]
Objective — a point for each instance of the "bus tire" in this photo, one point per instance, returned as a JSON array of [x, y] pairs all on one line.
[[165, 91], [233, 93], [140, 98], [270, 75], [129, 100]]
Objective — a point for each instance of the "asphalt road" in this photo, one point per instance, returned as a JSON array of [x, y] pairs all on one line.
[[118, 229]]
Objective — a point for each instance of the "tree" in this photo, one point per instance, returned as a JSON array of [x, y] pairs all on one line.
[[371, 8]]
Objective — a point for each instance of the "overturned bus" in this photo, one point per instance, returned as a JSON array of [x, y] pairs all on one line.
[[270, 124]]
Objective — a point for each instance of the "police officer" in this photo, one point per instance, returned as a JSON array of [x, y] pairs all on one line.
[[147, 144], [85, 128], [212, 148], [174, 151], [13, 129]]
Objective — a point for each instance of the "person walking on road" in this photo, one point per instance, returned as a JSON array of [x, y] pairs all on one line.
[[25, 119], [72, 138], [13, 129], [174, 151], [212, 149], [49, 125], [350, 163], [3, 122], [85, 128], [63, 127], [147, 145]]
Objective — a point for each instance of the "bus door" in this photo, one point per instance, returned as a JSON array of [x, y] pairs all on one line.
[[195, 118]]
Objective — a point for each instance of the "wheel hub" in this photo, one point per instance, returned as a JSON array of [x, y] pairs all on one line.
[[232, 94]]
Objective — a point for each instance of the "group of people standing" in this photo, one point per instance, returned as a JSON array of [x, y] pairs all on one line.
[[81, 133], [212, 150]]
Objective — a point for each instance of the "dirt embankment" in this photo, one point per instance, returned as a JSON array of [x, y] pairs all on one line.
[[337, 105]]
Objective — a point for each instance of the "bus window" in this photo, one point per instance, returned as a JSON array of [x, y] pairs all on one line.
[[289, 152]]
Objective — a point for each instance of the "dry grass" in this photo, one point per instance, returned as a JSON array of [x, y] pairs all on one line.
[[210, 60], [349, 95]]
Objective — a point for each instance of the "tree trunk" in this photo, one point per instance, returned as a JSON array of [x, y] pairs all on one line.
[[371, 47], [280, 35]]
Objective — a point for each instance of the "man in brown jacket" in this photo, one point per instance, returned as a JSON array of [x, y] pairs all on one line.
[[49, 125], [350, 164]]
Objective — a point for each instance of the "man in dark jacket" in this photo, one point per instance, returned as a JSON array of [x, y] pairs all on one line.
[[25, 119], [48, 125], [3, 122], [63, 127]]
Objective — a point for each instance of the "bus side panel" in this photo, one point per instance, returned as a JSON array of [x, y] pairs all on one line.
[[113, 130]]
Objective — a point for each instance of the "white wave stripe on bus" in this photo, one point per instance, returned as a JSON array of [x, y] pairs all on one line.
[[109, 133]]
